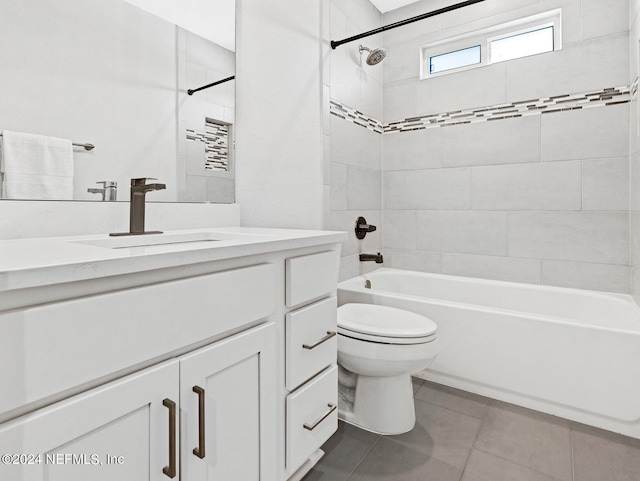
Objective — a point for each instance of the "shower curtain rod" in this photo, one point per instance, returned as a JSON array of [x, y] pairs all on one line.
[[191, 92], [401, 23]]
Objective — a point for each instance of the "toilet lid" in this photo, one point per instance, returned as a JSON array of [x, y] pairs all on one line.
[[384, 321]]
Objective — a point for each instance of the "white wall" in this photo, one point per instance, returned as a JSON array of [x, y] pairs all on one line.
[[279, 150], [539, 199], [634, 148]]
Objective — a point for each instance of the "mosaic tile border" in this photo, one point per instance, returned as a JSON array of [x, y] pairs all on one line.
[[546, 105], [216, 140]]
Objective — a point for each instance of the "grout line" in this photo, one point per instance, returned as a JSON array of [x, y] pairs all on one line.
[[364, 457]]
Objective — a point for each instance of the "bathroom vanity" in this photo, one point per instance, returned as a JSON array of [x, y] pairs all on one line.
[[191, 355]]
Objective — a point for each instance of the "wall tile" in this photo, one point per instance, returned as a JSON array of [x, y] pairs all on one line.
[[403, 58], [421, 149], [604, 18], [538, 186], [463, 232], [371, 93], [634, 182], [583, 275], [346, 76], [601, 237], [491, 267], [634, 219], [399, 100], [400, 231], [413, 260], [571, 69], [338, 186], [605, 184], [326, 160], [354, 145], [586, 134], [463, 90], [364, 189], [505, 141], [349, 267], [479, 10], [428, 189]]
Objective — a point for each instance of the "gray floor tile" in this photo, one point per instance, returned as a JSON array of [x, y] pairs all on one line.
[[529, 438], [604, 456], [445, 435], [454, 399], [343, 452], [389, 461], [486, 467]]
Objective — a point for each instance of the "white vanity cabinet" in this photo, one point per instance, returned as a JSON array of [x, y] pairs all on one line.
[[311, 374], [212, 360], [117, 431], [129, 429]]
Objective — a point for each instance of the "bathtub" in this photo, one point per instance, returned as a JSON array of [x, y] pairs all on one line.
[[567, 352]]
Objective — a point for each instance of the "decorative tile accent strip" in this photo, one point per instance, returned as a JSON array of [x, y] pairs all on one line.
[[216, 140], [546, 105], [634, 89], [355, 116]]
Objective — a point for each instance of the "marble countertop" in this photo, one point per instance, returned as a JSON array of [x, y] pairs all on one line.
[[28, 263]]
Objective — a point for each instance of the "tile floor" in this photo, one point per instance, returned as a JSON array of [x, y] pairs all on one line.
[[464, 437]]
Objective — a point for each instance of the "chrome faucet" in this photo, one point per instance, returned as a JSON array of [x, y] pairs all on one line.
[[139, 189], [109, 190]]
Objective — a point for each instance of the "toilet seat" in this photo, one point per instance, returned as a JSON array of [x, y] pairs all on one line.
[[385, 325]]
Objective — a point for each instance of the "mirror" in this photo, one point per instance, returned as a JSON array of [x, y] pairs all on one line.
[[113, 74]]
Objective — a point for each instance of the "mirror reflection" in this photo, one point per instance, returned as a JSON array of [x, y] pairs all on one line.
[[111, 74]]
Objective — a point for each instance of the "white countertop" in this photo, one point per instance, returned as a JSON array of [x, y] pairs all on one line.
[[28, 263]]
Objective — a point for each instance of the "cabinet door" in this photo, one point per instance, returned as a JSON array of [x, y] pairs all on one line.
[[227, 400], [117, 431]]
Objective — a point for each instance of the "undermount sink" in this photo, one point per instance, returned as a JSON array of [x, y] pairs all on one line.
[[150, 240]]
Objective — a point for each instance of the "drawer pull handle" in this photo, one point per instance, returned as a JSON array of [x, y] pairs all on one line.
[[171, 469], [332, 407], [199, 451], [329, 335]]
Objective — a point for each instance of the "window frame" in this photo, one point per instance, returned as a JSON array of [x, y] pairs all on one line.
[[485, 36]]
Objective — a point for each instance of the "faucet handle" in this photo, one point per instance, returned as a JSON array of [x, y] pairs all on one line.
[[107, 183], [141, 180]]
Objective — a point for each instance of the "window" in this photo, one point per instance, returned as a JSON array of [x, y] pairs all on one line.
[[521, 44], [457, 59], [507, 41]]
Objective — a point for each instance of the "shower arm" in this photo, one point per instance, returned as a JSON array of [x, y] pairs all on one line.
[[401, 23]]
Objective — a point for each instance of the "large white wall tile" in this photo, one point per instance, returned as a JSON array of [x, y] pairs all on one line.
[[419, 149], [463, 232], [402, 61], [428, 189], [413, 260], [579, 67], [399, 100], [606, 17], [634, 183], [364, 189], [538, 186], [354, 145], [400, 231], [480, 10], [586, 134], [492, 267], [605, 184], [506, 141], [600, 237], [478, 87], [584, 275], [338, 186]]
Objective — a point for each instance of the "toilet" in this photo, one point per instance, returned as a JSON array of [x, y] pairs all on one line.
[[379, 348]]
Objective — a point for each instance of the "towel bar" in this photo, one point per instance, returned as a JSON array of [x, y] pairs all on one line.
[[84, 146]]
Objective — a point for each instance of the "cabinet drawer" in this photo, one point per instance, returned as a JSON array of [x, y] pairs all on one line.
[[312, 417], [310, 277], [49, 349], [311, 341]]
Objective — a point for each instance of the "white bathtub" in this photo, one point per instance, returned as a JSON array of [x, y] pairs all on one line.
[[567, 352]]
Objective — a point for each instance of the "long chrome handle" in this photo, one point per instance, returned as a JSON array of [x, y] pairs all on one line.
[[171, 469], [199, 451], [332, 407], [329, 335]]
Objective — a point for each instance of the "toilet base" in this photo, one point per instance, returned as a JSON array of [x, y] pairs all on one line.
[[383, 405]]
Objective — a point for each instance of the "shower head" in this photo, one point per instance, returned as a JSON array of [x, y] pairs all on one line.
[[375, 56]]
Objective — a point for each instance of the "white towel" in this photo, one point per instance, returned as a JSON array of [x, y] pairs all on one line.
[[36, 167]]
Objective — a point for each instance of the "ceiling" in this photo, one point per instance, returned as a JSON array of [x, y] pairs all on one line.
[[386, 5]]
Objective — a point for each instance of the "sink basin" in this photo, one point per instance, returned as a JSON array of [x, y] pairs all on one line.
[[127, 242]]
